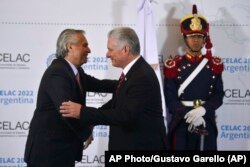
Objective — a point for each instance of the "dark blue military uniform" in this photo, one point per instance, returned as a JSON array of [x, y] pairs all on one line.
[[206, 86]]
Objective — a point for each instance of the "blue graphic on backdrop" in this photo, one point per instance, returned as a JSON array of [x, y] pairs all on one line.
[[95, 63], [101, 131], [14, 97], [12, 162], [236, 64], [235, 132]]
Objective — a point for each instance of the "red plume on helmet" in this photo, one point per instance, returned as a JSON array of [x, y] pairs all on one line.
[[194, 9], [208, 46]]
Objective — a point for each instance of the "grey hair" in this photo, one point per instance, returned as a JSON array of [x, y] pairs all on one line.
[[66, 36], [126, 35]]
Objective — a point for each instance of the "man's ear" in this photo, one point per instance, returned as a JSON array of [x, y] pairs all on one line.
[[69, 46], [126, 49]]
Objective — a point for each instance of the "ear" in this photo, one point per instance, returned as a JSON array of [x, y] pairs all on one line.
[[69, 46], [126, 49]]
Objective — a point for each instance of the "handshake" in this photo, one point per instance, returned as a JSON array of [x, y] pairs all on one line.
[[195, 117]]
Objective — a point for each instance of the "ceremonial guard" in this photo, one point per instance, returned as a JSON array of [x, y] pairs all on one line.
[[193, 88]]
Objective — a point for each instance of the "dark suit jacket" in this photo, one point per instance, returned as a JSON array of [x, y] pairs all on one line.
[[134, 113], [53, 140]]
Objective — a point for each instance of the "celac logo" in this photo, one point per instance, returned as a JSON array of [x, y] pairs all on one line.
[[50, 59]]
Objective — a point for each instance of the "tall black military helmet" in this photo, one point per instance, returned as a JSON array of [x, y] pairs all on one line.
[[194, 23]]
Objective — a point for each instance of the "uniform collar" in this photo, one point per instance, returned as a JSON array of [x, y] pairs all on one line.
[[192, 58]]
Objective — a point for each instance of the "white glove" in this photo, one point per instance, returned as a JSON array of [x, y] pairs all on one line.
[[194, 114], [197, 122]]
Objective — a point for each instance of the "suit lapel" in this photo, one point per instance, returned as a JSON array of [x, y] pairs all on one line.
[[66, 65], [71, 74], [130, 73], [134, 67]]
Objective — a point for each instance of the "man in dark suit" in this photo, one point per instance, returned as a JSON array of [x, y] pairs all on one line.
[[135, 111], [54, 140]]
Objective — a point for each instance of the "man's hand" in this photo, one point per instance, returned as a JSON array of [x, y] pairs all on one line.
[[194, 114], [70, 109], [88, 142]]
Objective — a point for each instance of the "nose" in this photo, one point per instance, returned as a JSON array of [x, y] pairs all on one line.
[[107, 55], [89, 50]]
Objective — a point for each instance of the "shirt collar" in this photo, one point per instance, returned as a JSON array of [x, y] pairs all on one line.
[[128, 67], [73, 67]]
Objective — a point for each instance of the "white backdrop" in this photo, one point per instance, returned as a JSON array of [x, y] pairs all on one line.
[[29, 30]]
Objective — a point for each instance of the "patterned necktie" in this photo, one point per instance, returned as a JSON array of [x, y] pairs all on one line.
[[121, 80]]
